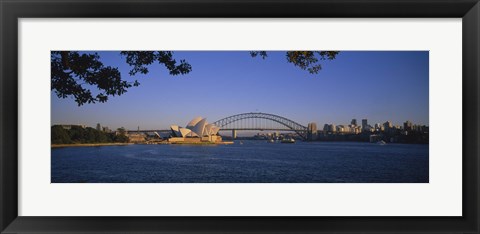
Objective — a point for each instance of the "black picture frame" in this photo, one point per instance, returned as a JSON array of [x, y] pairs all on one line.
[[11, 11]]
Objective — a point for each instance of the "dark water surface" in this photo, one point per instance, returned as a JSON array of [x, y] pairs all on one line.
[[250, 162]]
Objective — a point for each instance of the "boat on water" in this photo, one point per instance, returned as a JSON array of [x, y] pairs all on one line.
[[271, 141], [381, 142], [288, 140]]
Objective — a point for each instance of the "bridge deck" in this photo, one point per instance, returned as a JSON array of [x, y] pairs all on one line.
[[224, 129], [261, 129], [143, 131]]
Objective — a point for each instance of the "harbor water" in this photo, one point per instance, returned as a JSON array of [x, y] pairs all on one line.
[[243, 162]]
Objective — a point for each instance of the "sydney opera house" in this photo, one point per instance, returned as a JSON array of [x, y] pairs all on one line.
[[197, 130]]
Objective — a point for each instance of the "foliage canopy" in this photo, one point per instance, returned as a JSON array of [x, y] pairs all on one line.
[[84, 77], [77, 134]]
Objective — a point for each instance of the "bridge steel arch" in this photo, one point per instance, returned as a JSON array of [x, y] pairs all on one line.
[[289, 124]]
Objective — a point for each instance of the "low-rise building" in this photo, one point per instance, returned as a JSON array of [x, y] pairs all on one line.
[[136, 137]]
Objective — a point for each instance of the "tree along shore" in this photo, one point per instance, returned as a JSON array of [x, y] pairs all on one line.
[[79, 135], [89, 145]]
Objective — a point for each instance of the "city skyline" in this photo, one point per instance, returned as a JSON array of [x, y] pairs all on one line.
[[378, 86], [100, 126]]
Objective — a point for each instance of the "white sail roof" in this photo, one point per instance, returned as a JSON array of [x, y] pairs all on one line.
[[208, 129], [185, 131], [175, 130], [199, 128], [215, 130], [211, 129], [193, 122]]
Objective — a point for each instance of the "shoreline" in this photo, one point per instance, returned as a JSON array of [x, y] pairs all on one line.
[[124, 144], [88, 145], [201, 143]]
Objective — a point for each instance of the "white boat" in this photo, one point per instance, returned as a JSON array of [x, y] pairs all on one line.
[[381, 142], [288, 140]]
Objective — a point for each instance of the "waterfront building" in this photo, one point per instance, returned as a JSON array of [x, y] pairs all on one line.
[[343, 129], [340, 128], [106, 129], [354, 122], [326, 128], [197, 130], [364, 123], [136, 138], [387, 125], [312, 131], [354, 129], [407, 126], [368, 128], [332, 128], [69, 126], [329, 128], [420, 128]]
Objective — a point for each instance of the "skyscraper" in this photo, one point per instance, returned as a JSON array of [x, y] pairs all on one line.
[[364, 123], [312, 131], [354, 122], [387, 125], [407, 126]]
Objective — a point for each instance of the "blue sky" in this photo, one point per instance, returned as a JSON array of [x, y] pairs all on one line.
[[376, 85]]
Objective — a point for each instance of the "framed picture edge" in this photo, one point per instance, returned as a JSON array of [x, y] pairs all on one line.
[[11, 11]]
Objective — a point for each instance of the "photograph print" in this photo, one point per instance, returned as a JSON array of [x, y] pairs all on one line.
[[239, 116]]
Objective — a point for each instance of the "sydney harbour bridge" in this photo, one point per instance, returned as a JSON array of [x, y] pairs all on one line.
[[253, 121]]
